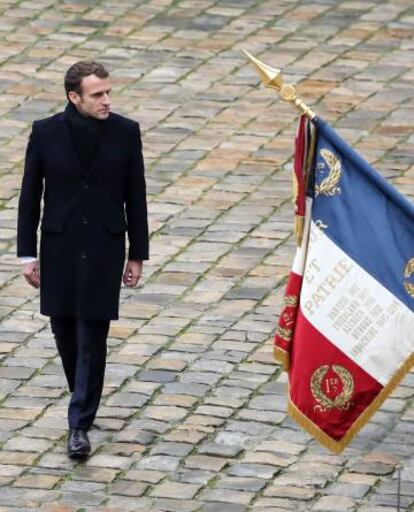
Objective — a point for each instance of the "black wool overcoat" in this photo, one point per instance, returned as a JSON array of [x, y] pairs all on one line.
[[85, 216]]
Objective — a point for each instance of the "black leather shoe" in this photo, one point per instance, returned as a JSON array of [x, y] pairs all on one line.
[[79, 446]]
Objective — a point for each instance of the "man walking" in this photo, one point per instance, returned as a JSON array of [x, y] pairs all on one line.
[[87, 164]]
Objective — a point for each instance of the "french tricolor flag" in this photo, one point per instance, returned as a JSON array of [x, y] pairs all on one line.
[[346, 330]]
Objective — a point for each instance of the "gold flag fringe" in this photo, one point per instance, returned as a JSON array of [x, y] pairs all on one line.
[[338, 446], [282, 357]]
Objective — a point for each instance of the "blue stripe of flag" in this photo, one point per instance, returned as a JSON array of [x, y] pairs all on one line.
[[368, 219]]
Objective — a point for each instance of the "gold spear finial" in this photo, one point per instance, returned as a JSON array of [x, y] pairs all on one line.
[[270, 77], [273, 79]]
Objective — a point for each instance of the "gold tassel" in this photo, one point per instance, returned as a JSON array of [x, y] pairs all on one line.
[[299, 228]]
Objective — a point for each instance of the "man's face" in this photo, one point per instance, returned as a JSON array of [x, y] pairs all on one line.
[[94, 100]]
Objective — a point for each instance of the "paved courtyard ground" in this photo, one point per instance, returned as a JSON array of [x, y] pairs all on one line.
[[193, 416]]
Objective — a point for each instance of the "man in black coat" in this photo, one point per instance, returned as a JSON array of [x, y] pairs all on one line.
[[87, 164]]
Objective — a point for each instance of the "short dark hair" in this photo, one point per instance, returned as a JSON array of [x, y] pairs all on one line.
[[79, 70]]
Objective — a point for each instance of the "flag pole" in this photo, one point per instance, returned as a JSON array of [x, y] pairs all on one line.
[[273, 79]]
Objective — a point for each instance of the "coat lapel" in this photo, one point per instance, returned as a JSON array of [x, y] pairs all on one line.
[[68, 147]]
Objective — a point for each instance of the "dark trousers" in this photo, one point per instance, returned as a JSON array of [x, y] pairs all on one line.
[[82, 347]]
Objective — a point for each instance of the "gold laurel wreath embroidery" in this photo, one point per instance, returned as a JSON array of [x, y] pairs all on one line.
[[284, 333], [410, 288], [409, 270], [341, 401], [329, 185], [290, 300]]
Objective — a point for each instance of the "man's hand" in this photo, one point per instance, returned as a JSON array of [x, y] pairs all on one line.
[[31, 272], [132, 273]]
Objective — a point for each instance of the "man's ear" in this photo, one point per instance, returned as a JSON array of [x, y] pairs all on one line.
[[74, 97]]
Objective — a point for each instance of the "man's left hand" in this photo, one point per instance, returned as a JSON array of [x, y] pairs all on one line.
[[132, 273]]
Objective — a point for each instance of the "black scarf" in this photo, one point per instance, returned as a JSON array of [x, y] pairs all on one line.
[[85, 133]]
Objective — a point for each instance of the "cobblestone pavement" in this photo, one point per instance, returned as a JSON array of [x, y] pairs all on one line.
[[193, 417]]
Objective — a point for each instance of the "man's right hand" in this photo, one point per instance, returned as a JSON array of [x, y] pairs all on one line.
[[31, 272]]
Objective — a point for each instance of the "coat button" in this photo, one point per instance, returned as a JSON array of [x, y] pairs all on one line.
[[83, 255], [84, 220]]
